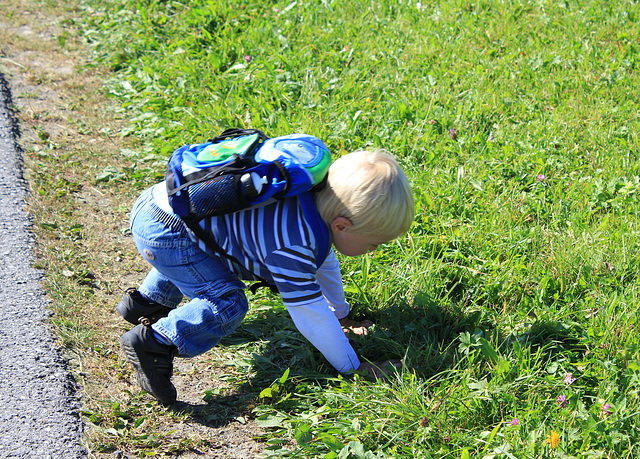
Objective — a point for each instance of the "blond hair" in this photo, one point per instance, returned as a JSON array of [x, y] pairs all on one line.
[[371, 190]]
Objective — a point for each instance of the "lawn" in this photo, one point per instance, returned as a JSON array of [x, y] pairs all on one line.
[[513, 300]]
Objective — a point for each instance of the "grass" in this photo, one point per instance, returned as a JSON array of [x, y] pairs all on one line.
[[517, 124]]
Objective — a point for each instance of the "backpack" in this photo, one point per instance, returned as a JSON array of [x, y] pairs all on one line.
[[241, 169]]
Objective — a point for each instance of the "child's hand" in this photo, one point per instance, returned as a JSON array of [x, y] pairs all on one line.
[[379, 370], [353, 326]]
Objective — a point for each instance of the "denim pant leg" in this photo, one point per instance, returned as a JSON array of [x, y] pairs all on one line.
[[159, 288], [218, 302], [200, 324]]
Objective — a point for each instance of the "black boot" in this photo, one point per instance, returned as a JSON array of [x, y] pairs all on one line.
[[152, 361], [136, 309]]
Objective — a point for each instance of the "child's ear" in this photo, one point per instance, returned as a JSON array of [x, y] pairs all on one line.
[[340, 225]]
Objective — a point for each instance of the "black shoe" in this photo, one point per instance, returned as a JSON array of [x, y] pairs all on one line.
[[152, 361], [136, 309]]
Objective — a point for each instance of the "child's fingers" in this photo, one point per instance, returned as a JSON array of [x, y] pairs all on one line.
[[358, 328], [388, 367]]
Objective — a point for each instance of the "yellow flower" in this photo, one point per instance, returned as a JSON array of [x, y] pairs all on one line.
[[553, 439]]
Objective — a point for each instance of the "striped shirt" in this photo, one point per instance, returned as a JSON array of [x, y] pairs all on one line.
[[274, 242]]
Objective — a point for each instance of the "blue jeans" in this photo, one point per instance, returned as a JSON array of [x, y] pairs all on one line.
[[218, 302]]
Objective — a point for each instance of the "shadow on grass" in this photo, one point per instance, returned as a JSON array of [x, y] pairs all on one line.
[[220, 410], [555, 338], [422, 334], [267, 344], [425, 334]]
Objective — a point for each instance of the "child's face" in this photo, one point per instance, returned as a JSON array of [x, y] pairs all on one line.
[[351, 244]]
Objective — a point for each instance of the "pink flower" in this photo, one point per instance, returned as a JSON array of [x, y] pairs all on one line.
[[453, 134], [561, 401], [606, 409], [542, 177], [247, 59], [515, 422], [569, 379]]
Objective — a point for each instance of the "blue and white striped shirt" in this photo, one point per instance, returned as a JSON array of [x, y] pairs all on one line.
[[275, 243]]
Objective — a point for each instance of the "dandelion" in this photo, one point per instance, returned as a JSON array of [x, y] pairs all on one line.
[[515, 422], [553, 439], [569, 379], [606, 409], [561, 401], [453, 134]]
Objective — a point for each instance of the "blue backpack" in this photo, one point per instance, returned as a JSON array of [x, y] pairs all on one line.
[[243, 168]]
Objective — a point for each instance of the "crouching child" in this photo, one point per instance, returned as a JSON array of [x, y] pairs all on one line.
[[367, 201]]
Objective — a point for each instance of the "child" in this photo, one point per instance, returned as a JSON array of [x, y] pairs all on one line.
[[367, 202]]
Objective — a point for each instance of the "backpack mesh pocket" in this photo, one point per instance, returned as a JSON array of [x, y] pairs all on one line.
[[217, 196]]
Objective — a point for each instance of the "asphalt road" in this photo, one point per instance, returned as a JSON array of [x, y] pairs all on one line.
[[38, 401]]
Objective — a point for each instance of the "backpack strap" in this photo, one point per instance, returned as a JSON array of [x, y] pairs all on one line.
[[287, 178], [211, 243], [235, 132], [318, 226]]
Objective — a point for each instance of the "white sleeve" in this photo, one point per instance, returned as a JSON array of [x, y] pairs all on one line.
[[321, 327], [330, 280]]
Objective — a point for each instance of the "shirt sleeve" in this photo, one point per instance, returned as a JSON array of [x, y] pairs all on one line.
[[293, 270], [330, 281], [297, 278], [317, 323]]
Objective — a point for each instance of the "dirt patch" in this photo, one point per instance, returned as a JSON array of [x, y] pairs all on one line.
[[82, 238]]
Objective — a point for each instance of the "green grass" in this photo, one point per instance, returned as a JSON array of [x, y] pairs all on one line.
[[522, 264]]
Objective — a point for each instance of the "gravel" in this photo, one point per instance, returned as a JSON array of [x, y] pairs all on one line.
[[39, 404]]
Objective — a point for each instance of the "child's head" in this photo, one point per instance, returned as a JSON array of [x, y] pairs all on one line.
[[369, 192]]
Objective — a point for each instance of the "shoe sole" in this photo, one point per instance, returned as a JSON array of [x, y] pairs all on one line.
[[130, 344]]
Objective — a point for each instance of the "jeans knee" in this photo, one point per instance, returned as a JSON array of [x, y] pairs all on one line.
[[199, 325], [233, 308]]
